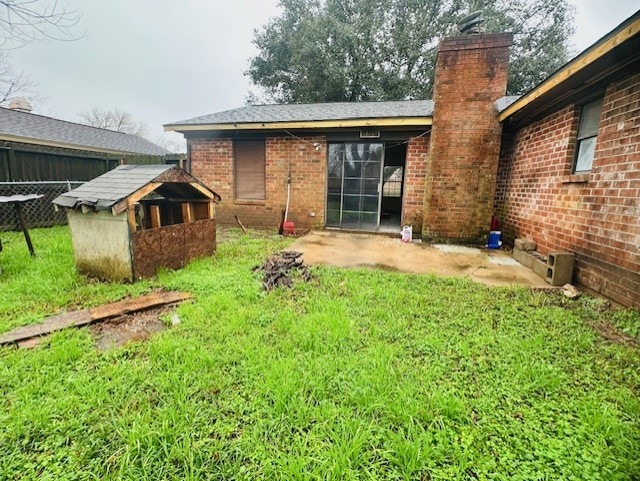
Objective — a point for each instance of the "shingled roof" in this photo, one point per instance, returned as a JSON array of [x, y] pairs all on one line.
[[106, 190], [31, 128], [312, 112]]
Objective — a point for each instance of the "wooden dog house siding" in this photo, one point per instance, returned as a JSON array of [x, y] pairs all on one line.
[[132, 220]]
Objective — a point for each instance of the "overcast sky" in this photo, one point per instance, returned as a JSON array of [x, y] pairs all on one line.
[[166, 61]]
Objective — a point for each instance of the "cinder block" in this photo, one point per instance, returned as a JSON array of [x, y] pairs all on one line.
[[524, 245], [523, 258], [559, 268], [540, 267]]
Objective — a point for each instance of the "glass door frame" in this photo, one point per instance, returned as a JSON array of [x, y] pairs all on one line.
[[380, 183]]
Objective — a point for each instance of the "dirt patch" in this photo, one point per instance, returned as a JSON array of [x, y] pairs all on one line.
[[609, 332], [377, 251], [382, 267], [133, 327], [462, 267], [318, 242]]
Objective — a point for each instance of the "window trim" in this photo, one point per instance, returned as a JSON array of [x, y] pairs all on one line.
[[586, 136], [249, 200]]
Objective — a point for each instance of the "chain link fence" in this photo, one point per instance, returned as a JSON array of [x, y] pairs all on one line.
[[37, 213]]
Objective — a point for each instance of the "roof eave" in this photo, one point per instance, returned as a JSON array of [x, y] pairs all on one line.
[[307, 124], [66, 145], [624, 32]]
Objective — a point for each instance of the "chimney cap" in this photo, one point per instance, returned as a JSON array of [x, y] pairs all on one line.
[[471, 23], [20, 104]]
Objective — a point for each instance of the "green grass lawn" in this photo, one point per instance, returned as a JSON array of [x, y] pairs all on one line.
[[359, 374]]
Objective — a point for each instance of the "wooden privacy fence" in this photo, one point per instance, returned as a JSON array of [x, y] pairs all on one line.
[[23, 164]]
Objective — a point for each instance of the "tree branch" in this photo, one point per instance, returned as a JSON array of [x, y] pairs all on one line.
[[22, 21]]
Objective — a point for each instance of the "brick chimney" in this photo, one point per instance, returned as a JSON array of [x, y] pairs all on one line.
[[470, 75]]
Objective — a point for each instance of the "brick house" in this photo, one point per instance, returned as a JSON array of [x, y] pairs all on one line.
[[559, 165], [249, 160], [370, 165], [569, 173]]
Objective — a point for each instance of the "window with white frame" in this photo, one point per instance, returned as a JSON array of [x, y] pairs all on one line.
[[587, 136]]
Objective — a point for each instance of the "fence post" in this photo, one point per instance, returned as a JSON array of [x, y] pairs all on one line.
[[11, 159], [5, 165]]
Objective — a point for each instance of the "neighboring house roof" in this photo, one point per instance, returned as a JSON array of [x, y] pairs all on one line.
[[31, 128], [338, 114], [609, 58], [109, 189]]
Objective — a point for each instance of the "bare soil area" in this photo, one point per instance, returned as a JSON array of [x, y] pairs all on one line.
[[491, 267], [136, 326]]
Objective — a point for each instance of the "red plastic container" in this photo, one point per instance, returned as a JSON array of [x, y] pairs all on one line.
[[288, 228]]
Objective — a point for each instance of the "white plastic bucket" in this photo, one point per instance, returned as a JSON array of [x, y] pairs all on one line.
[[407, 233]]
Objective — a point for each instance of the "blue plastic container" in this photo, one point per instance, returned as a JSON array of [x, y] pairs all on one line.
[[494, 241]]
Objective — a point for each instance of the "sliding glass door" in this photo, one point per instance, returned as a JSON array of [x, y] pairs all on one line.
[[354, 171]]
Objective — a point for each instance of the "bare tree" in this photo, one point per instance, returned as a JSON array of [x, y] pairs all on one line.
[[175, 145], [14, 84], [114, 119], [22, 21]]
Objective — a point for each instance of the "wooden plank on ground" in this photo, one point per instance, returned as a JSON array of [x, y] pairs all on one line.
[[87, 316], [137, 304], [51, 324]]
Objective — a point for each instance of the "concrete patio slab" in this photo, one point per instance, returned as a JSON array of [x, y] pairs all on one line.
[[456, 249], [502, 260], [490, 267]]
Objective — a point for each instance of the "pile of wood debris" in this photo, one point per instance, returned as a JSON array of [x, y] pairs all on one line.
[[278, 269]]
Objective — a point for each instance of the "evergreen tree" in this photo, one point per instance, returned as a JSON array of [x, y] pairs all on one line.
[[351, 50]]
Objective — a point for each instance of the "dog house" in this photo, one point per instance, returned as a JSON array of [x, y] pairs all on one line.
[[134, 219]]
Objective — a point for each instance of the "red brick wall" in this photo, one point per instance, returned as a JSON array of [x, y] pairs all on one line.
[[596, 215], [414, 182], [471, 74], [308, 173], [212, 163]]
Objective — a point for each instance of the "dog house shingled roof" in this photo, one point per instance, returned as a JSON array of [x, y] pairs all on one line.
[[105, 191]]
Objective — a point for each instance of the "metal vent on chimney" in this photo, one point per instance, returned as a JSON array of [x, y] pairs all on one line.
[[471, 23], [370, 133]]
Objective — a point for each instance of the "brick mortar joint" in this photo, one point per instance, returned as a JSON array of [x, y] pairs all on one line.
[[476, 42]]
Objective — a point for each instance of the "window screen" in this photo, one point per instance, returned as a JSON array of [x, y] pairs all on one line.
[[250, 169], [587, 135]]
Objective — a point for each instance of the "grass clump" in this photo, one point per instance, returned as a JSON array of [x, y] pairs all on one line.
[[35, 287], [359, 374]]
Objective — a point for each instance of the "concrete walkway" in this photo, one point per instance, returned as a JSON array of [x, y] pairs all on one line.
[[491, 267]]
